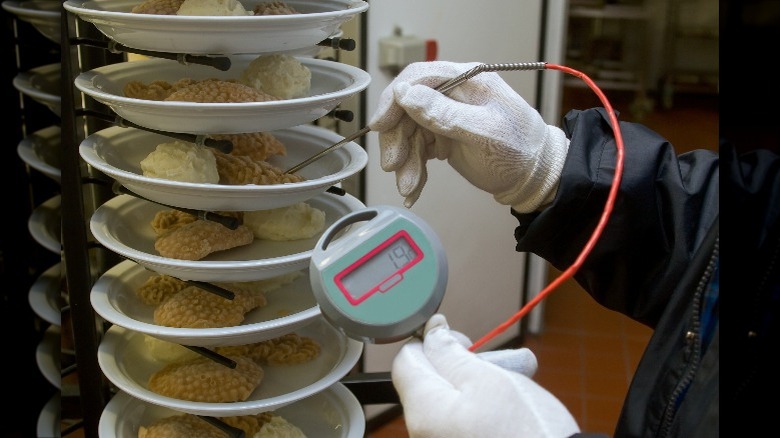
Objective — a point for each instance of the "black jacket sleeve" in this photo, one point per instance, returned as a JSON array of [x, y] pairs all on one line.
[[662, 212]]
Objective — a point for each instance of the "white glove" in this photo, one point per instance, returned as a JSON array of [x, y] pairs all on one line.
[[485, 130], [448, 391]]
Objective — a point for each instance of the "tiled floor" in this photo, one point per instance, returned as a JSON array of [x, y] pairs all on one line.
[[586, 353]]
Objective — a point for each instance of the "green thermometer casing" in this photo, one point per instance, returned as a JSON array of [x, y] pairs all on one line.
[[382, 277]]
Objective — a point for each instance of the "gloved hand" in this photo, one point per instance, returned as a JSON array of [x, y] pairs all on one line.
[[482, 127], [448, 391]]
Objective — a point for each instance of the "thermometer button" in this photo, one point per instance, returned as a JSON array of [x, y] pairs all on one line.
[[390, 282]]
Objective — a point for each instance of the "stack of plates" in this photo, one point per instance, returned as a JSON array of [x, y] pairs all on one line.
[[308, 395]]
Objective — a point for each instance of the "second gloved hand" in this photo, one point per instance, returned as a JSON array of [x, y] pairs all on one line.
[[482, 127], [448, 391]]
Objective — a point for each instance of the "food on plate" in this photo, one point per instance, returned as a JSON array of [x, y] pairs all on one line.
[[278, 427], [212, 7], [157, 7], [196, 240], [239, 170], [193, 307], [181, 161], [258, 146], [287, 349], [179, 304], [154, 90], [297, 221], [274, 8], [166, 351], [279, 75], [219, 91], [159, 288], [264, 424], [168, 220], [204, 380], [180, 426], [211, 90]]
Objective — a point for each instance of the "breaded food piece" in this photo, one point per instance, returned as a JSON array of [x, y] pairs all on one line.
[[274, 8], [196, 240], [293, 222], [194, 307], [250, 424], [155, 90], [204, 380], [278, 427], [219, 91], [168, 220], [158, 7], [190, 426], [159, 288], [239, 170], [255, 145], [287, 349], [180, 426]]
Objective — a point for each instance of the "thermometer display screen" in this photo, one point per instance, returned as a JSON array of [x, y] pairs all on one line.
[[380, 269]]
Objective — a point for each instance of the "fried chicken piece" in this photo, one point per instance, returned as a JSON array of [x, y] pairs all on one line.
[[255, 145], [189, 426], [180, 426], [204, 380], [239, 170], [158, 7], [193, 307], [287, 349], [274, 8], [155, 90], [159, 288], [219, 91], [168, 220], [196, 240]]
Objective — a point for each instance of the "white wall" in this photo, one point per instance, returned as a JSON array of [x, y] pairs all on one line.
[[486, 274]]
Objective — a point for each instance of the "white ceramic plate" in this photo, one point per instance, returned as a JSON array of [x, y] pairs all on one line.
[[123, 225], [41, 151], [332, 413], [331, 83], [44, 15], [42, 84], [125, 360], [47, 355], [44, 296], [113, 296], [117, 152], [218, 34], [49, 419], [45, 224]]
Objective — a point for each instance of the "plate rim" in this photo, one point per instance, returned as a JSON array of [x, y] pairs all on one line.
[[123, 400], [101, 303], [115, 334], [38, 296], [361, 79], [198, 269], [357, 154]]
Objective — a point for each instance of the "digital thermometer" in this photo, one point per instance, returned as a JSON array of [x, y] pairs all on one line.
[[381, 281]]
